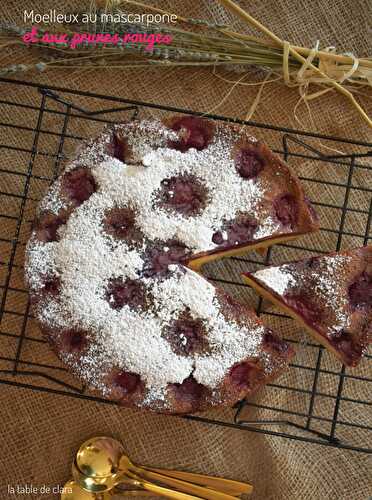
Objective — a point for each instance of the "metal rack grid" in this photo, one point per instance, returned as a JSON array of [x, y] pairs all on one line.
[[18, 366]]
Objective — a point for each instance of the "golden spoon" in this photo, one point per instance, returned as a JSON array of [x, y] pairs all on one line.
[[104, 484], [229, 486], [101, 457], [73, 491], [206, 493], [94, 464], [96, 484]]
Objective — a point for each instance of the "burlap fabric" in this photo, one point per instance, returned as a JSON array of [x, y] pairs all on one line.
[[40, 432]]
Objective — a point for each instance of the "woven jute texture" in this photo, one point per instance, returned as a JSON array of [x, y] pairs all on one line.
[[41, 431]]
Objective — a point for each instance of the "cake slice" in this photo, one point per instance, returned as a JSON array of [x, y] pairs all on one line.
[[330, 295]]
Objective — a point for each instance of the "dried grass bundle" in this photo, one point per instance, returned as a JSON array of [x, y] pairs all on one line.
[[201, 43]]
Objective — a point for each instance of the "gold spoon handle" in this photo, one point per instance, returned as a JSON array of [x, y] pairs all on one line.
[[184, 486], [229, 486], [131, 493], [165, 492]]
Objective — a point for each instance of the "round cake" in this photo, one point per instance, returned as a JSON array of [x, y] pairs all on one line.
[[112, 259]]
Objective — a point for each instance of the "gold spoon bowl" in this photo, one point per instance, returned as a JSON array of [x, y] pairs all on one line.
[[73, 491], [99, 456]]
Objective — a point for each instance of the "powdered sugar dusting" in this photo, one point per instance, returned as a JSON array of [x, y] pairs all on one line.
[[322, 280], [278, 279], [86, 258], [185, 290], [228, 192], [230, 345], [40, 263], [327, 285]]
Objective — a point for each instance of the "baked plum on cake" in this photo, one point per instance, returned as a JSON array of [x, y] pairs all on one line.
[[111, 261], [331, 295]]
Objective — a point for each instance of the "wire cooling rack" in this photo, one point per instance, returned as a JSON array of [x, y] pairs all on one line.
[[316, 400]]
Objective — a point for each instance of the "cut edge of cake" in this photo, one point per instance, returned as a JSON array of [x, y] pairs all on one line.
[[278, 300]]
